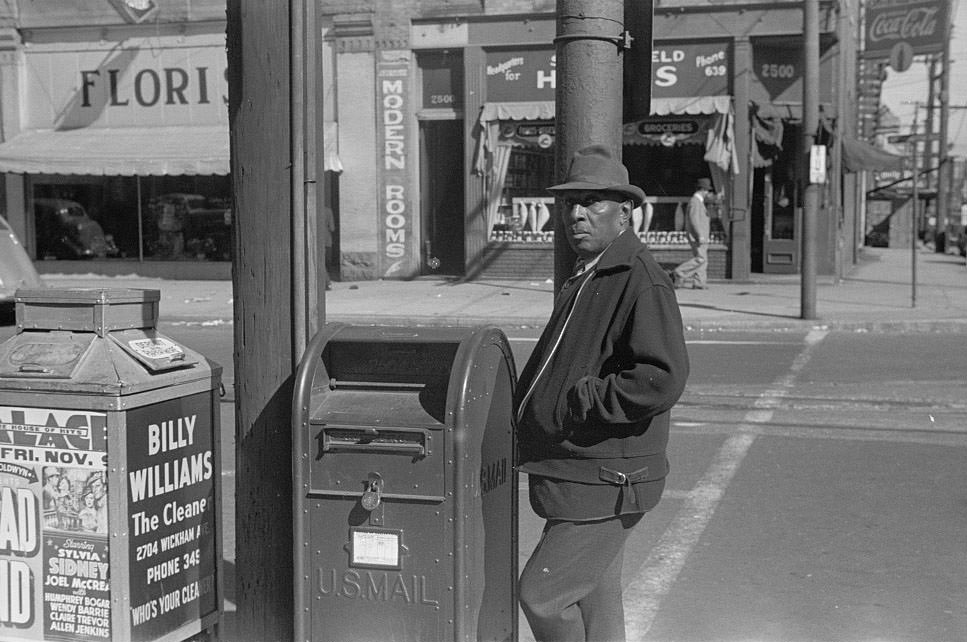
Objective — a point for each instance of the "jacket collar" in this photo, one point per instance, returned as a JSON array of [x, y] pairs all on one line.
[[621, 252]]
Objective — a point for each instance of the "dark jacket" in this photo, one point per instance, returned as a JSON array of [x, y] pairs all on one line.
[[603, 400]]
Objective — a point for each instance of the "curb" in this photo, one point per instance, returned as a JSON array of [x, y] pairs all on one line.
[[936, 326], [789, 324], [436, 321], [942, 326]]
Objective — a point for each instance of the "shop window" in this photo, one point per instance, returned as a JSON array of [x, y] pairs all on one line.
[[521, 208], [190, 226], [176, 218], [668, 175]]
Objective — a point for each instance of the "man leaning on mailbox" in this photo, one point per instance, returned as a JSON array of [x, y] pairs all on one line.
[[592, 407]]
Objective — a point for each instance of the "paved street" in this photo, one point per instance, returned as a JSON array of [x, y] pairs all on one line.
[[817, 489], [816, 493]]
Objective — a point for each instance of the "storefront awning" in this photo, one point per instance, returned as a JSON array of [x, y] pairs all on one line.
[[119, 151], [532, 110], [133, 151], [493, 112], [544, 109], [860, 156], [693, 105]]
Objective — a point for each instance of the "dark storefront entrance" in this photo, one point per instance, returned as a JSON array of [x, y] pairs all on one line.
[[442, 179], [777, 203]]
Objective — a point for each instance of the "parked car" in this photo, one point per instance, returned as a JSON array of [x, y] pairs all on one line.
[[956, 239], [193, 225], [16, 269], [65, 231]]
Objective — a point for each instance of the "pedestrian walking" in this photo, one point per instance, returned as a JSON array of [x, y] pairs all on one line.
[[592, 407], [693, 273]]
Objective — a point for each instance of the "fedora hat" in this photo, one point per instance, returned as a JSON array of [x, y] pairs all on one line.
[[594, 169], [703, 183]]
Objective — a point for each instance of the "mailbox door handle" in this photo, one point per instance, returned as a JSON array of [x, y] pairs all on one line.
[[388, 439]]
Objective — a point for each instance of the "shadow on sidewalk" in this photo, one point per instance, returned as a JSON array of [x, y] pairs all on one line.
[[706, 306], [533, 286], [920, 281], [228, 625]]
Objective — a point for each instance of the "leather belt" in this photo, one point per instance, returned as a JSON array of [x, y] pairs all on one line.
[[621, 479], [625, 480]]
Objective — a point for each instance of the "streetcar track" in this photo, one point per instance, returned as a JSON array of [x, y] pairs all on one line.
[[899, 434], [806, 404]]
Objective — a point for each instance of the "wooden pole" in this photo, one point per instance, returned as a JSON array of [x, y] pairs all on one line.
[[915, 213], [588, 94], [929, 159], [810, 125], [943, 177], [276, 171]]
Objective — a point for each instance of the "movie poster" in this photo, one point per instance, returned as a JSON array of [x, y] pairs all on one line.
[[54, 565]]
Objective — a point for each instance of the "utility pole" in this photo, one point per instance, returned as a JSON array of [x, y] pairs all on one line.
[[589, 49], [274, 58], [914, 144], [929, 159], [810, 124], [943, 183]]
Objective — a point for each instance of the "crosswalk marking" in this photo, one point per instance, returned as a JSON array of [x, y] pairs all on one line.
[[643, 596]]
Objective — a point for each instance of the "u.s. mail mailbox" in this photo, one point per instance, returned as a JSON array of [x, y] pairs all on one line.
[[405, 486]]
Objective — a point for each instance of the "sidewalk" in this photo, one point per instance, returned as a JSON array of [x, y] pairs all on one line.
[[876, 296]]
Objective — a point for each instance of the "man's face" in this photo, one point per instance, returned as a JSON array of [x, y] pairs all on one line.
[[592, 220]]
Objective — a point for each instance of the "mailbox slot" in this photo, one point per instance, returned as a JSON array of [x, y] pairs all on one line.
[[395, 440]]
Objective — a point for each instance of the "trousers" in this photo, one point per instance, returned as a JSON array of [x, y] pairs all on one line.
[[694, 271], [570, 589]]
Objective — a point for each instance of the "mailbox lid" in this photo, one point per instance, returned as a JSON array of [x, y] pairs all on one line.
[[380, 405], [356, 430], [44, 355]]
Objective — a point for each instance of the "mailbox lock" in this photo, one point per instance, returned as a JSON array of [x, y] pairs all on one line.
[[373, 494]]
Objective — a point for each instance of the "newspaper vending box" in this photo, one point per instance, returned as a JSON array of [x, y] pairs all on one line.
[[109, 473]]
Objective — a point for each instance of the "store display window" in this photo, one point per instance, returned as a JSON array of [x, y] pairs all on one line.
[[664, 155], [520, 209], [172, 218]]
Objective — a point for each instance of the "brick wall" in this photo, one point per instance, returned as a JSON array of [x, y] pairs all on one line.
[[516, 261]]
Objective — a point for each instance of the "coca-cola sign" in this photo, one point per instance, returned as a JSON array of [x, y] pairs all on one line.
[[922, 24]]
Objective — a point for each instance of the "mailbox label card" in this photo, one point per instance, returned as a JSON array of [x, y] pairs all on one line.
[[54, 565], [171, 511], [375, 548]]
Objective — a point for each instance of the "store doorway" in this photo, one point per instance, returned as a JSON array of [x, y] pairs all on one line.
[[442, 202], [777, 210]]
